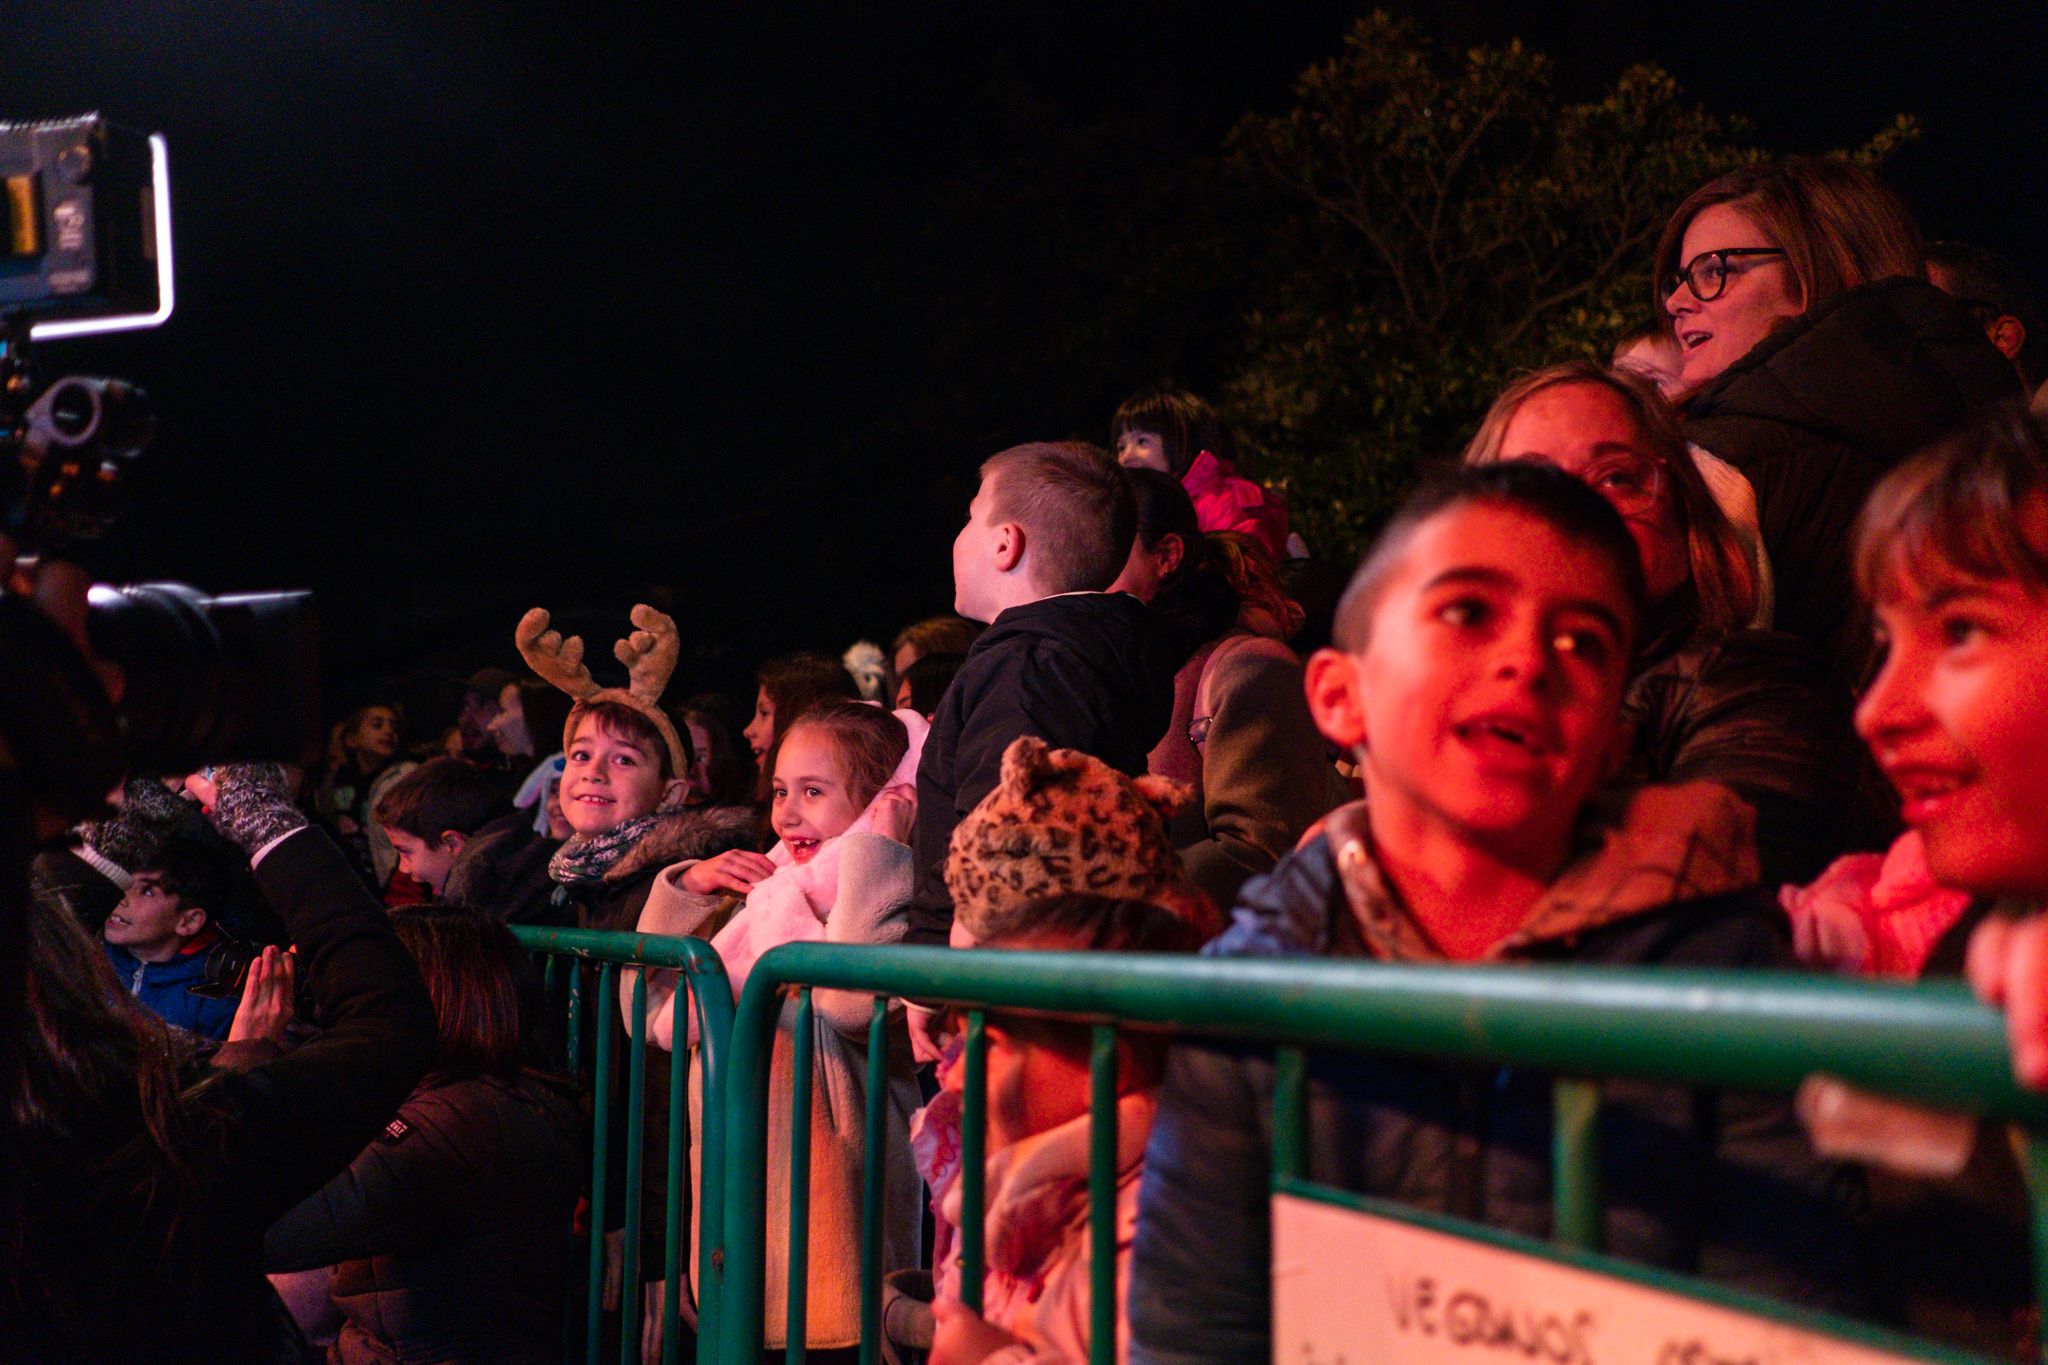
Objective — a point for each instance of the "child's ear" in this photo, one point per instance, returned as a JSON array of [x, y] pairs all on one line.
[[452, 840], [191, 919], [1334, 700], [1173, 552], [672, 790], [1009, 546]]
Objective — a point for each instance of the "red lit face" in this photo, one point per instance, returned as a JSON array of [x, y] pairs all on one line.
[[1760, 290], [1958, 719]]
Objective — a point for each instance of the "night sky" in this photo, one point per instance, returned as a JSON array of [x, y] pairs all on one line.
[[483, 306]]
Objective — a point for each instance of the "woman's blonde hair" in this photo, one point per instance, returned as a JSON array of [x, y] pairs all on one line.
[[1837, 223], [1723, 577]]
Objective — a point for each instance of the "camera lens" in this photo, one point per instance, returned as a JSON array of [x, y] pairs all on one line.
[[209, 679]]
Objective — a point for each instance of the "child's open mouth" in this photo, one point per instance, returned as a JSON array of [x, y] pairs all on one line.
[[801, 850]]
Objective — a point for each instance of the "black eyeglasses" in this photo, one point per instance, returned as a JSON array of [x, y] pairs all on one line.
[[1707, 273]]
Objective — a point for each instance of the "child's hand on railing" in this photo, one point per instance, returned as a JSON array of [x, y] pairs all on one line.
[[2008, 966], [961, 1336], [734, 870]]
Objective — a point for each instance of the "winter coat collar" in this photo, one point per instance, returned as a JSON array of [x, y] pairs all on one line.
[[1865, 367], [1675, 842], [1208, 472], [692, 832]]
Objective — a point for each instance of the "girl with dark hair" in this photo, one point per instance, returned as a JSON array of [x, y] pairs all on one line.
[[724, 771], [449, 1234], [788, 686], [1179, 434], [1240, 733], [362, 763]]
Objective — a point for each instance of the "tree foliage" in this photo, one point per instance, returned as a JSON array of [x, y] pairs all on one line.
[[1448, 220]]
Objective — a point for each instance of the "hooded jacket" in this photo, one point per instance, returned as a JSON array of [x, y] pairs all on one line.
[[1815, 415], [1079, 671], [503, 870], [1720, 1185]]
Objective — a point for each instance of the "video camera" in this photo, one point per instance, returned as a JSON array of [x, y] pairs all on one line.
[[85, 247]]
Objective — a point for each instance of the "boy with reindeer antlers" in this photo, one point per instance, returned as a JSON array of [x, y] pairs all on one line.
[[627, 773]]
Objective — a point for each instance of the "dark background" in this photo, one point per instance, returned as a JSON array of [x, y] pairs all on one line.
[[489, 305]]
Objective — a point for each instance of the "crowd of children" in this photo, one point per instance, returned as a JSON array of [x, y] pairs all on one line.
[[1733, 654]]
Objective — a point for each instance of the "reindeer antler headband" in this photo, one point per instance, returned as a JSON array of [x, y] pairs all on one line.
[[649, 655]]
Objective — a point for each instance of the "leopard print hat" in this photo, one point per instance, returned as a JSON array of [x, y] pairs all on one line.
[[1059, 821]]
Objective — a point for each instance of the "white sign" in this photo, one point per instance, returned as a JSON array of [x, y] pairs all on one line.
[[1353, 1288]]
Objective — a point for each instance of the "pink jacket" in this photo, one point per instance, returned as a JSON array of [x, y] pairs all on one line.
[[1873, 914], [1225, 502]]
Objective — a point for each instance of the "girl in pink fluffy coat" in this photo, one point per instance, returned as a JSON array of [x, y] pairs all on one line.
[[844, 797]]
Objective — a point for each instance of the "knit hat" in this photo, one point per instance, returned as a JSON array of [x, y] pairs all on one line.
[[1061, 821], [649, 655]]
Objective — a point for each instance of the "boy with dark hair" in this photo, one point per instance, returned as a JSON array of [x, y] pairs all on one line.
[[432, 812], [1482, 653], [1063, 659], [158, 936]]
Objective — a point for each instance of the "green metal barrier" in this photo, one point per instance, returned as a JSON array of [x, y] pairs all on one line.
[[1928, 1044], [585, 965]]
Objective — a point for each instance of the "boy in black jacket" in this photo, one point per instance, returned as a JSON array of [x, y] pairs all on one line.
[[1048, 531]]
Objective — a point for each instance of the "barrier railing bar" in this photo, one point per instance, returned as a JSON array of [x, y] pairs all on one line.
[[1102, 1202], [799, 1277], [973, 1159], [600, 1140], [1772, 1030], [1698, 1028], [1575, 1162], [678, 1194], [2034, 1167], [711, 993], [1290, 1114], [572, 1032], [636, 1139], [871, 1191]]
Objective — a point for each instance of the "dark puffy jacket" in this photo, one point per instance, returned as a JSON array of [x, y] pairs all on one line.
[[1760, 713], [449, 1235], [1080, 671], [1722, 1185], [503, 870], [1817, 412], [262, 1140]]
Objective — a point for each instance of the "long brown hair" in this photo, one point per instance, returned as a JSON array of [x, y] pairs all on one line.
[[1724, 578], [485, 1002], [90, 1090]]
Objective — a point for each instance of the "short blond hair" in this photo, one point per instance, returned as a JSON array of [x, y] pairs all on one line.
[[1078, 513]]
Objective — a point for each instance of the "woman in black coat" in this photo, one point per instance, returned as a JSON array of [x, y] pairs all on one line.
[[1814, 356]]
